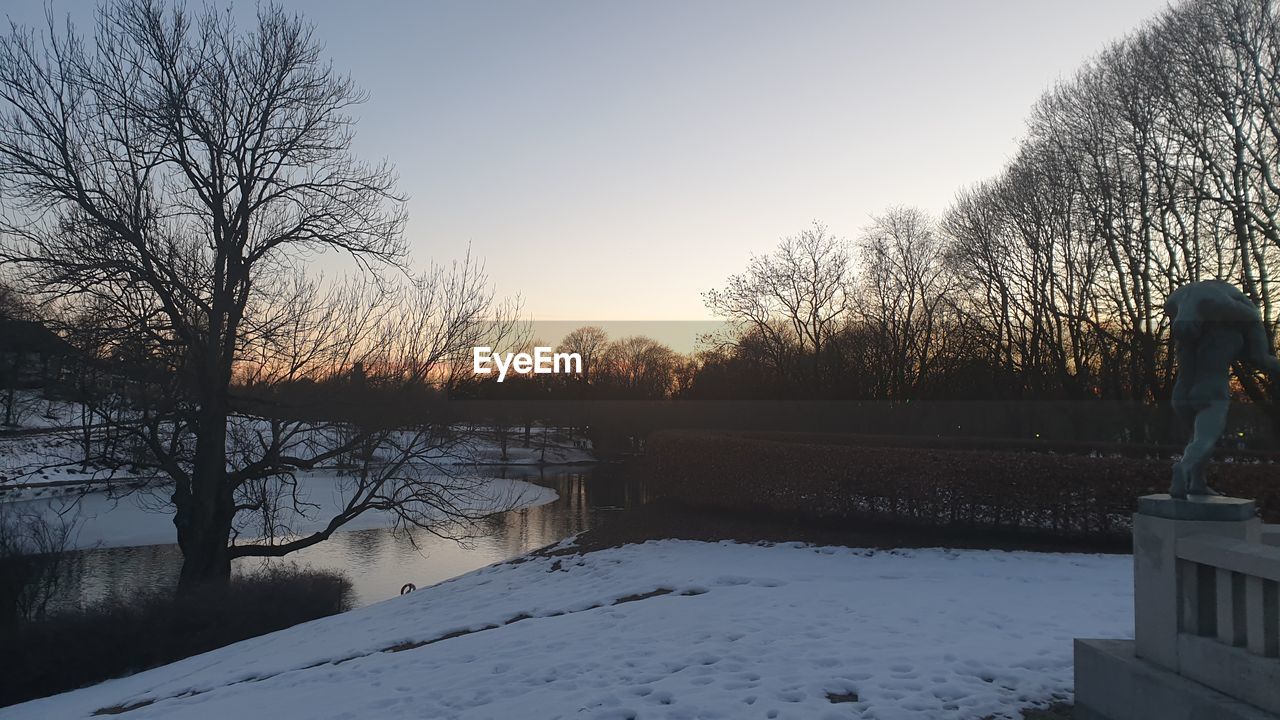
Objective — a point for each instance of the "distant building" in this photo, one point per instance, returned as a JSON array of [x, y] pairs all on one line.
[[32, 355]]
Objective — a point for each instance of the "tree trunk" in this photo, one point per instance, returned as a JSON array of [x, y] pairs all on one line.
[[205, 510], [10, 399], [205, 560]]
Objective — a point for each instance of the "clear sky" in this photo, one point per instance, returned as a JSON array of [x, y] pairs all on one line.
[[612, 160]]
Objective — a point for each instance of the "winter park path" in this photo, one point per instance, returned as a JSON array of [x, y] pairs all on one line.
[[667, 629]]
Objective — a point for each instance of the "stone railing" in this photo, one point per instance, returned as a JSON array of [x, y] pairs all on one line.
[[1228, 635], [1206, 619]]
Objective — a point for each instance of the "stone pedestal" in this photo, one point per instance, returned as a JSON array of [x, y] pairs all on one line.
[[1157, 525], [1151, 677]]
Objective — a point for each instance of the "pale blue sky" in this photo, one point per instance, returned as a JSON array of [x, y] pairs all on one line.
[[612, 160]]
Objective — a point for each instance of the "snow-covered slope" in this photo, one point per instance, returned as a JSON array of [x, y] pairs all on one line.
[[670, 629]]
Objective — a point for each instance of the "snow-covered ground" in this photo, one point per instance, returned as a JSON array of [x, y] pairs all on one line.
[[670, 629], [32, 411], [39, 459], [146, 518], [486, 451]]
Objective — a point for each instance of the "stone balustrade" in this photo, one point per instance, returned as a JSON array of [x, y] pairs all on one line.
[[1206, 619]]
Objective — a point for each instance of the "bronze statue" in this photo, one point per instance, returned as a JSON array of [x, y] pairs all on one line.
[[1213, 324]]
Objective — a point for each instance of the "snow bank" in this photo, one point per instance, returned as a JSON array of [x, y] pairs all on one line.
[[670, 629]]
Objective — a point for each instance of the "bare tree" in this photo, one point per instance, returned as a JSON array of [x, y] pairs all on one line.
[[179, 172], [792, 300], [1151, 167], [33, 558], [907, 291], [640, 367], [589, 342]]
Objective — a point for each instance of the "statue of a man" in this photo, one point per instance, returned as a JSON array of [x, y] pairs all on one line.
[[1213, 324]]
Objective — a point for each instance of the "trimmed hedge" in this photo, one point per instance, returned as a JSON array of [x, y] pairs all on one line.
[[1057, 447], [849, 476]]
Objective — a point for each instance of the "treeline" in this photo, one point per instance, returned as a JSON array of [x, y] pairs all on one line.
[[1153, 166], [629, 368], [1156, 165]]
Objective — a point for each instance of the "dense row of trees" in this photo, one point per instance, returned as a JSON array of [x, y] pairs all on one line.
[[629, 368], [1154, 166], [820, 317]]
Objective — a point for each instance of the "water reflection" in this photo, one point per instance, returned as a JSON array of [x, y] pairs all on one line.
[[379, 561]]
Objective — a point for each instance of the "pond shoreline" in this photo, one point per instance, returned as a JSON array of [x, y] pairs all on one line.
[[378, 559]]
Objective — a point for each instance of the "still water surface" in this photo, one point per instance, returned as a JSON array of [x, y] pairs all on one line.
[[380, 561]]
